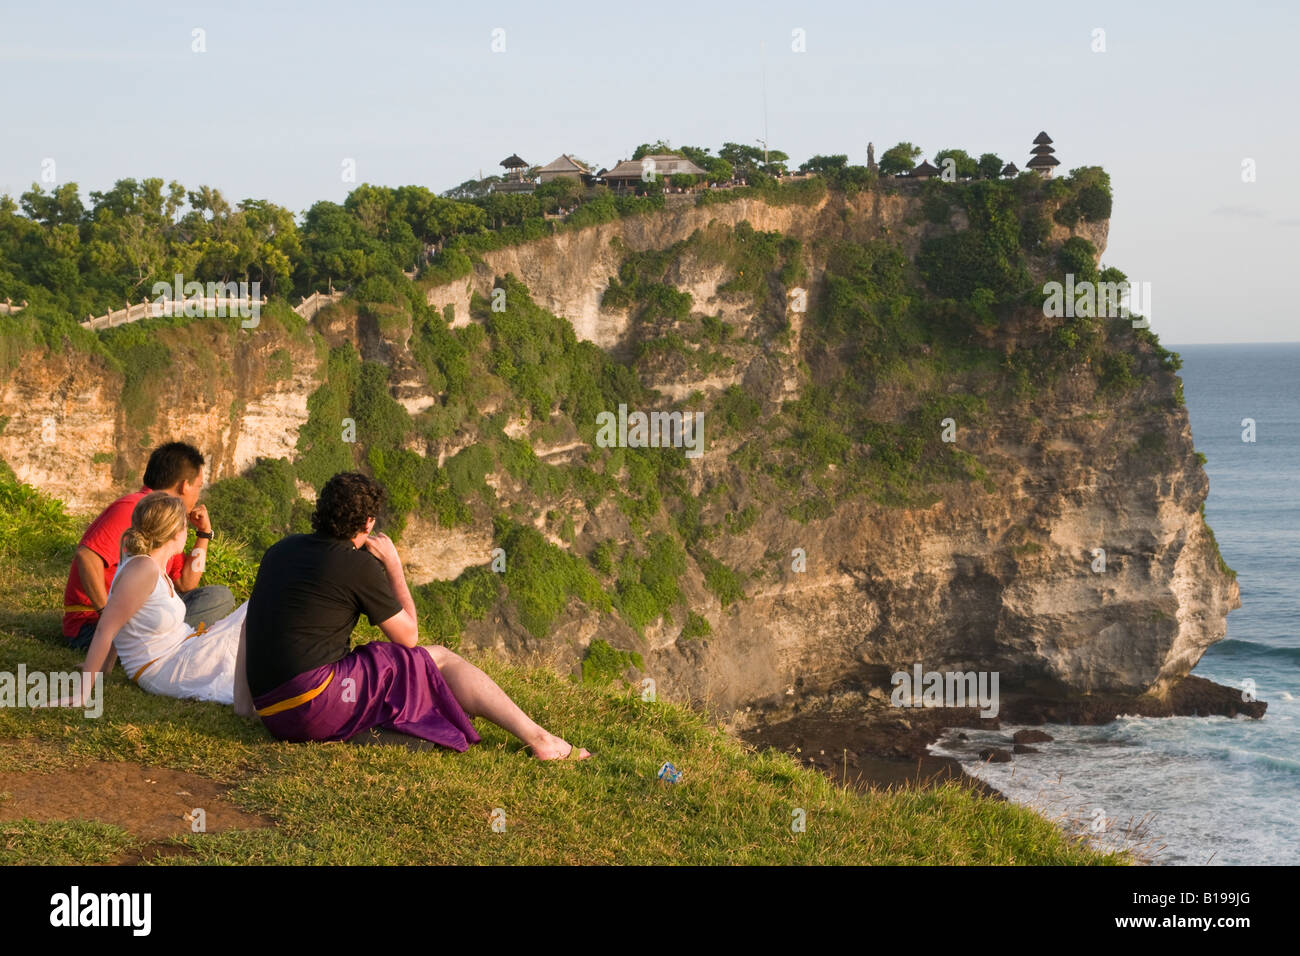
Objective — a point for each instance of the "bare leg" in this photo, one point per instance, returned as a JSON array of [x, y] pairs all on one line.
[[480, 696]]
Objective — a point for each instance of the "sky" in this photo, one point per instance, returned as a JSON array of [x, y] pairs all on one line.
[[274, 100]]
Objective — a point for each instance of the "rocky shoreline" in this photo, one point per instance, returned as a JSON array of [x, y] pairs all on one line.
[[856, 737]]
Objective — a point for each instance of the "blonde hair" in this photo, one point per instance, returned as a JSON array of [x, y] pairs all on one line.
[[156, 519]]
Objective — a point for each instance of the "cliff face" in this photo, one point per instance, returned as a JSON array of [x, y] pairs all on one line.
[[1001, 578], [568, 273], [236, 396]]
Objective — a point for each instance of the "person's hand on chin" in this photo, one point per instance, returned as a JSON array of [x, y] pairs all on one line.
[[382, 547]]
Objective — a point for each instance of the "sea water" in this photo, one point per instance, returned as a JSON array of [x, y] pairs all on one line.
[[1190, 790]]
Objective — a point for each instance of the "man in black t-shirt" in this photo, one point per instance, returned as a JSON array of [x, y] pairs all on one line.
[[305, 684], [311, 591]]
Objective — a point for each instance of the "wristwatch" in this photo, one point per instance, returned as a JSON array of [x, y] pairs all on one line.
[[207, 535]]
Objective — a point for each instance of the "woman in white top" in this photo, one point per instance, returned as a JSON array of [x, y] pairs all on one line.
[[144, 619]]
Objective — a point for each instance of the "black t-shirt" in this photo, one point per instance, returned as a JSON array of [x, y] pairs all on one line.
[[309, 594]]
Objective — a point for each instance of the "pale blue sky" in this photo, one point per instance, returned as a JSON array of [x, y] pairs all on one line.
[[414, 94]]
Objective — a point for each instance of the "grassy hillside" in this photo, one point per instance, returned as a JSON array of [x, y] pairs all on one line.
[[340, 804]]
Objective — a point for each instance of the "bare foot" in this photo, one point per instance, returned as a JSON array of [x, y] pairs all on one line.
[[557, 748]]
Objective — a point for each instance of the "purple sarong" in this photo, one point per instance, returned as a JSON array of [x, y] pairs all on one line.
[[377, 685]]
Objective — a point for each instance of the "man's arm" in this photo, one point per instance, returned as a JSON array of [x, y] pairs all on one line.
[[90, 567], [196, 559], [402, 628]]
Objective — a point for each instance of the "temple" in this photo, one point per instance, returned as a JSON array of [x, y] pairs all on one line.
[[1042, 159]]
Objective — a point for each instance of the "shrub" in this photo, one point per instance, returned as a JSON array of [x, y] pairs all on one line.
[[720, 579], [647, 592], [696, 626], [1094, 203], [467, 469], [258, 507], [1078, 256], [375, 288], [603, 663], [542, 578], [322, 452], [145, 362], [445, 607], [736, 409]]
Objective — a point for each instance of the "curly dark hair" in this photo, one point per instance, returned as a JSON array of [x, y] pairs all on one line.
[[344, 504]]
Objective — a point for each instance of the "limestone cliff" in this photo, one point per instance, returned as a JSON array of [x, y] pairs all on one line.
[[996, 574]]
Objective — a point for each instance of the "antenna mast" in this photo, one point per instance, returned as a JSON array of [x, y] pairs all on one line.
[[763, 55]]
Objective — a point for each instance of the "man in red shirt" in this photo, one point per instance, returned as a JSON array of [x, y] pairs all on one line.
[[176, 468]]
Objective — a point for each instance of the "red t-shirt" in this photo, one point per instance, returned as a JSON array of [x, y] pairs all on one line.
[[104, 537]]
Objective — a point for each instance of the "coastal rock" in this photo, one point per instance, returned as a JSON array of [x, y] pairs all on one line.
[[995, 755], [1032, 737]]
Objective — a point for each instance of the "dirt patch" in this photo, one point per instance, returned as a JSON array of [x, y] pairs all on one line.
[[148, 802]]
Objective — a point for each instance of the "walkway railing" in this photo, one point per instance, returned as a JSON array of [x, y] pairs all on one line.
[[313, 303], [208, 306]]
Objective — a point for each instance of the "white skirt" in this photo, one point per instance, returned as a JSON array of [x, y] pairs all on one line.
[[202, 667]]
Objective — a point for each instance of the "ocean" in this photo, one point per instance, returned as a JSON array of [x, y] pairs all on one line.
[[1188, 790]]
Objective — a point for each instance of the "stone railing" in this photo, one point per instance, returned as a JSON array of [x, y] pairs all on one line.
[[8, 308], [313, 303], [208, 306]]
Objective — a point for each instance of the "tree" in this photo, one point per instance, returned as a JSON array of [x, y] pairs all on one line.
[[963, 166], [990, 166], [509, 209], [334, 247], [647, 149], [1094, 203], [1093, 199], [744, 160], [824, 164], [61, 207], [433, 218], [718, 170], [209, 213], [899, 159], [775, 165], [473, 188], [1078, 257], [559, 193], [275, 235], [698, 155]]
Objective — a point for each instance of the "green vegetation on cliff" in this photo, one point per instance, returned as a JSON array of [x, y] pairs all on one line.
[[895, 357]]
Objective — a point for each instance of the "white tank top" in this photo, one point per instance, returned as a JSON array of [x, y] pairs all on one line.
[[155, 630]]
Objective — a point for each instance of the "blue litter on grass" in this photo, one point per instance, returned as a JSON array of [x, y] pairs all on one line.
[[670, 774]]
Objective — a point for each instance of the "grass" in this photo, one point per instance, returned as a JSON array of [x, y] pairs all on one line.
[[335, 804]]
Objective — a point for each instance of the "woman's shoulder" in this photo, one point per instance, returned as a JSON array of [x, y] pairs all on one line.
[[135, 566], [137, 573]]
